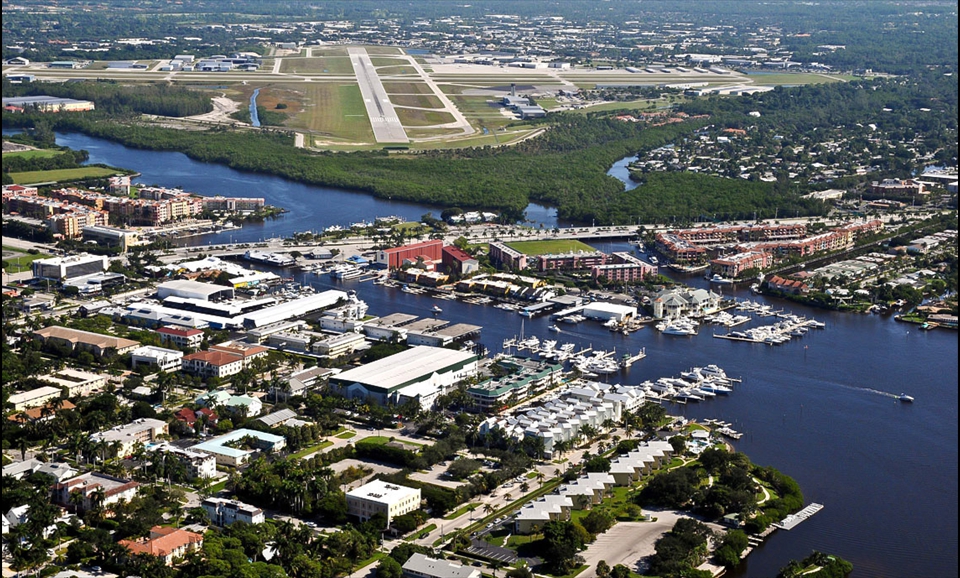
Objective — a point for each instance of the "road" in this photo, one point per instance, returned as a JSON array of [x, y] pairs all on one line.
[[383, 117]]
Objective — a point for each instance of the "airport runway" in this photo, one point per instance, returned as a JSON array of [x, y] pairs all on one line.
[[386, 124]]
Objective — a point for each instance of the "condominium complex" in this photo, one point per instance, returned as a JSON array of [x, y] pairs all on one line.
[[127, 436], [225, 512]]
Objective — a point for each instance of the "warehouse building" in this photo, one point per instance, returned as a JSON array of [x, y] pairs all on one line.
[[194, 290], [394, 258], [379, 497], [422, 373]]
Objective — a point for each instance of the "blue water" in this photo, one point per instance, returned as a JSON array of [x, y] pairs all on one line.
[[311, 208], [254, 115], [620, 171], [819, 408]]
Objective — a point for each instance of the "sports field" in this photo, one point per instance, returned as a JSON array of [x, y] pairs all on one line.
[[59, 175], [334, 111], [550, 247], [326, 65]]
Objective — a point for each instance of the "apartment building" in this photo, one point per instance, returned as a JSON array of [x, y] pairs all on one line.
[[379, 497], [225, 512]]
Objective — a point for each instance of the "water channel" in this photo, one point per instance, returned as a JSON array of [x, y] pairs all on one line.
[[821, 409]]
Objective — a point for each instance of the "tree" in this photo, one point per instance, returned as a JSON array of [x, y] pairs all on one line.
[[603, 569], [598, 521], [620, 571], [389, 568]]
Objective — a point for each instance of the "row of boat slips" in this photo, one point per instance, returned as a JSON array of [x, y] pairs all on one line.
[[589, 490], [561, 418]]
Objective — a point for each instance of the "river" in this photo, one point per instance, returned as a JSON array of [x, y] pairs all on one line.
[[819, 409]]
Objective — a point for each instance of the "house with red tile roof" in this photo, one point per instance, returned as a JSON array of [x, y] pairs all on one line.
[[787, 285], [166, 543]]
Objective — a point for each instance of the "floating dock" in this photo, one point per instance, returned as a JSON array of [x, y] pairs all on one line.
[[791, 521]]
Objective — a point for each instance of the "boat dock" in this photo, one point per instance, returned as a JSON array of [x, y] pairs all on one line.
[[772, 334], [791, 521]]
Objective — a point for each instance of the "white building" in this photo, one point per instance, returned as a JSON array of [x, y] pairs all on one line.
[[79, 383], [125, 437], [165, 359], [69, 267], [379, 497], [197, 464], [422, 373], [34, 397], [88, 484], [219, 447], [422, 566], [673, 303], [193, 290], [605, 311], [225, 512]]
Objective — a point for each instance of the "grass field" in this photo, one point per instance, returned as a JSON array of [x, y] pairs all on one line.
[[413, 117], [396, 71], [418, 100], [312, 449], [39, 153], [18, 259], [346, 435], [550, 247], [428, 132], [60, 175], [333, 111], [798, 78], [324, 65], [383, 50], [407, 88], [389, 61], [329, 50]]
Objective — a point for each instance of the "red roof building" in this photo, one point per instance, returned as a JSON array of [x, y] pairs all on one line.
[[187, 416], [787, 285], [166, 543], [393, 258], [182, 337]]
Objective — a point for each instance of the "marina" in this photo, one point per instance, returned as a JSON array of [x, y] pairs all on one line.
[[795, 406]]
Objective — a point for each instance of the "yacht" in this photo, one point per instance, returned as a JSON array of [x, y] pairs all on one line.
[[554, 328], [713, 371], [653, 260], [715, 387], [687, 396], [612, 324], [693, 376], [905, 398], [437, 309], [678, 329], [346, 271], [720, 280]]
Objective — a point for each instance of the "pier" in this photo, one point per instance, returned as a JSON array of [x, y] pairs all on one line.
[[772, 334], [791, 521]]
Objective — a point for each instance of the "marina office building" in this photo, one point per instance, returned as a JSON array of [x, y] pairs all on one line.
[[422, 373]]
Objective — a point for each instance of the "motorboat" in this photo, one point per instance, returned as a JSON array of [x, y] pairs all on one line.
[[715, 387], [612, 324], [553, 328], [720, 280], [905, 398], [437, 309]]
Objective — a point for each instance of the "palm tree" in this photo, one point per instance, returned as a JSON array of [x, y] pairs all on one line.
[[540, 478], [471, 509], [488, 509], [524, 487]]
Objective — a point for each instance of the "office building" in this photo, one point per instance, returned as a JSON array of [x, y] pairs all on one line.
[[379, 497]]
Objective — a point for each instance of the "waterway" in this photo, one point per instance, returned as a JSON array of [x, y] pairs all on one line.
[[254, 115], [821, 408], [620, 171]]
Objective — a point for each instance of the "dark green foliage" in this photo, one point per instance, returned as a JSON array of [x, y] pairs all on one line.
[[830, 567], [673, 489], [463, 468], [681, 549], [733, 544], [562, 542], [389, 568], [403, 552], [598, 521], [598, 464], [113, 98]]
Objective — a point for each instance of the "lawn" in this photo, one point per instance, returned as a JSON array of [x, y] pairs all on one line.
[[19, 262], [346, 435], [396, 71], [419, 100], [550, 247], [312, 449], [323, 65], [39, 153], [414, 117], [460, 512], [60, 175], [333, 111], [385, 61], [432, 132], [407, 88], [797, 79], [376, 440], [328, 51], [383, 50]]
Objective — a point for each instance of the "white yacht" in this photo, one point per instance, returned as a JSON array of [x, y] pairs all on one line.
[[554, 328]]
